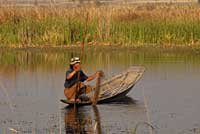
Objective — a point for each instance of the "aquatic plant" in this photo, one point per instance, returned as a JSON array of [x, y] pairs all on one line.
[[163, 24]]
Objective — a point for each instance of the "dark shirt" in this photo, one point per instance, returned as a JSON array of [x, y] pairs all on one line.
[[73, 80]]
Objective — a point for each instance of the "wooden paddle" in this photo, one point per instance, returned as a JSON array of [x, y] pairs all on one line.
[[97, 89]]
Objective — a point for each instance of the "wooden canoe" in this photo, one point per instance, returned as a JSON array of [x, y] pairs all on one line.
[[116, 87]]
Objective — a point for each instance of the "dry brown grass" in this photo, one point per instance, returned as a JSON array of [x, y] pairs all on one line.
[[104, 23], [149, 11]]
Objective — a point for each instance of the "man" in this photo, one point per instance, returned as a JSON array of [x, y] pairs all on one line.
[[75, 77]]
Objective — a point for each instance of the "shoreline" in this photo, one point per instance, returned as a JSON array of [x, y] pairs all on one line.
[[140, 48]]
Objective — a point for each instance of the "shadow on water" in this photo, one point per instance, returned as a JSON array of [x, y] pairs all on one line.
[[79, 121], [124, 100]]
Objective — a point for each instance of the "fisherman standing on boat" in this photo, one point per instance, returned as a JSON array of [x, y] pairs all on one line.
[[74, 86]]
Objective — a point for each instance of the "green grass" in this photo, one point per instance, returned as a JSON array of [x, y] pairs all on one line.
[[126, 26]]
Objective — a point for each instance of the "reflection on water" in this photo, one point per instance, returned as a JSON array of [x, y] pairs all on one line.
[[31, 85], [125, 100], [78, 121]]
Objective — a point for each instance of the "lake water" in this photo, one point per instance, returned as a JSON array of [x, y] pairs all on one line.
[[31, 85]]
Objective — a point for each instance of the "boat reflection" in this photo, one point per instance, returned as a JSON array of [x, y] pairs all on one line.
[[80, 120], [124, 100]]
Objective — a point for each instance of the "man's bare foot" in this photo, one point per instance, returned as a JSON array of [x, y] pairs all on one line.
[[78, 100], [73, 100]]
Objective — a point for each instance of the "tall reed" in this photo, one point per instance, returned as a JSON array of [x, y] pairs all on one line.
[[162, 24]]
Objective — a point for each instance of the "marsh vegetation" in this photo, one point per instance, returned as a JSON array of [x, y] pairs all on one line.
[[135, 25]]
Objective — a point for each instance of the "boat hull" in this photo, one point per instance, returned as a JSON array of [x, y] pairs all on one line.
[[108, 100]]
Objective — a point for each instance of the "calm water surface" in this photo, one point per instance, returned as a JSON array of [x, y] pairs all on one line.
[[31, 85]]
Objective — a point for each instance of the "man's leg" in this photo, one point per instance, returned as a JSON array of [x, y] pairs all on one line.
[[88, 89], [84, 89], [71, 92]]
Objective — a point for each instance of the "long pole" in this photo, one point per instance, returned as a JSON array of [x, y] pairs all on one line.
[[84, 36], [81, 56]]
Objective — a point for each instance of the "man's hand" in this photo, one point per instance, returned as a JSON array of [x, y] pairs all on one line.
[[96, 75], [99, 74], [77, 67]]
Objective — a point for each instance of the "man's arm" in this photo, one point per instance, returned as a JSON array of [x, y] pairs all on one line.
[[92, 77], [70, 75], [75, 70]]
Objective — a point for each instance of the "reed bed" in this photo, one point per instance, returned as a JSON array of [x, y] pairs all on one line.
[[135, 25]]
